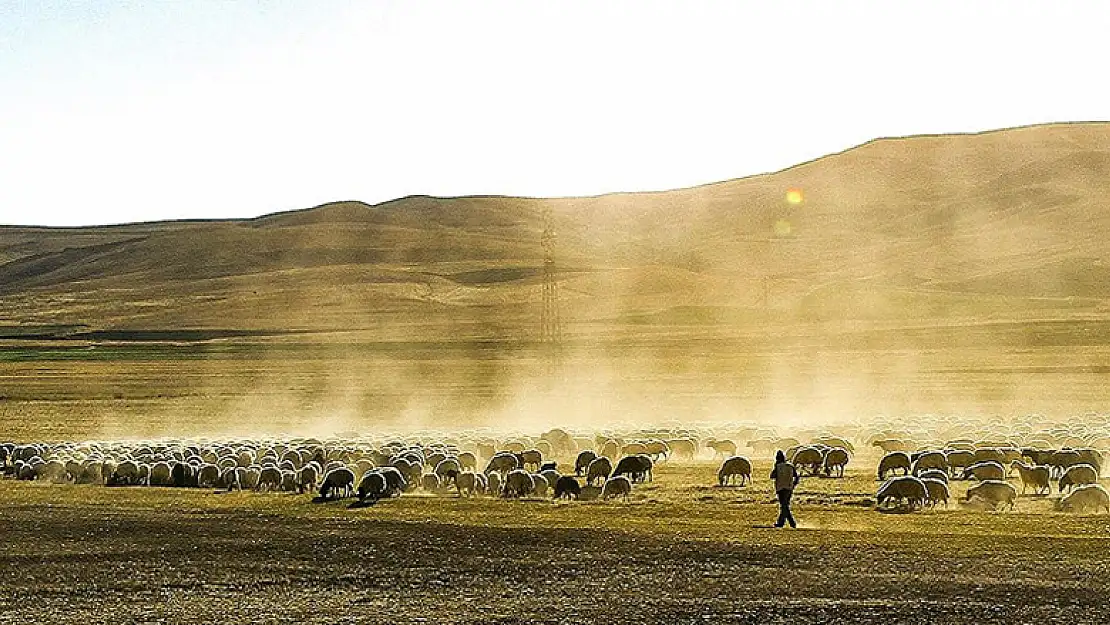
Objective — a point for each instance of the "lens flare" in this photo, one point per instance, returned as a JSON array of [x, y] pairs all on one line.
[[794, 196], [783, 228]]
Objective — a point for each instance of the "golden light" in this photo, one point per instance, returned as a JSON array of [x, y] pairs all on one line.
[[794, 196], [782, 228]]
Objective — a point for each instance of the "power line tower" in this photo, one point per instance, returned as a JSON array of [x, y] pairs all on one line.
[[551, 331]]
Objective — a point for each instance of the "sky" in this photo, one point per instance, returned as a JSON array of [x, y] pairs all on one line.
[[114, 112]]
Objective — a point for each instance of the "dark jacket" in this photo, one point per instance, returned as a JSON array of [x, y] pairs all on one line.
[[785, 476]]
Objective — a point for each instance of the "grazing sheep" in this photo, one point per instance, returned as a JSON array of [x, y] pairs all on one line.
[[929, 460], [307, 478], [1085, 497], [1078, 475], [551, 476], [160, 474], [889, 445], [905, 489], [530, 458], [270, 478], [990, 454], [617, 486], [599, 470], [1037, 477], [539, 485], [430, 482], [982, 471], [809, 458], [735, 466], [657, 450], [446, 471], [994, 492], [466, 483], [936, 491], [340, 482], [468, 461], [685, 448], [893, 461], [493, 483], [502, 462], [721, 448], [567, 487], [637, 468], [208, 476], [583, 460], [835, 460], [959, 459], [518, 483], [610, 449], [372, 486]]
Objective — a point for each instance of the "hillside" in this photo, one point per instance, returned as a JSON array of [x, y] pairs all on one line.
[[931, 230]]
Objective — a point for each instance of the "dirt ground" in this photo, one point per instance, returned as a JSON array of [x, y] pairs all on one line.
[[681, 551]]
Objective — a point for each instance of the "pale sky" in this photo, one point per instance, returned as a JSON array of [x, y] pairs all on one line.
[[133, 111]]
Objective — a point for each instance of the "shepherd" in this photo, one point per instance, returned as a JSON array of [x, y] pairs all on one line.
[[785, 477]]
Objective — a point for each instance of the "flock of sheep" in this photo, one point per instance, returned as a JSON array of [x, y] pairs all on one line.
[[918, 460]]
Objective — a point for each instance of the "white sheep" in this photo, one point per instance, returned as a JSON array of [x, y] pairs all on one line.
[[733, 467], [994, 492], [619, 486], [1085, 497]]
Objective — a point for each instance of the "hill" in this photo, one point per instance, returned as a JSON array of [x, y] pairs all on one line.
[[929, 230]]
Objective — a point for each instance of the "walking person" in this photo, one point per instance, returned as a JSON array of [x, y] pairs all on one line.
[[786, 478]]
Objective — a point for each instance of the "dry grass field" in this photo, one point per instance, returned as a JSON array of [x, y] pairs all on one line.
[[681, 551]]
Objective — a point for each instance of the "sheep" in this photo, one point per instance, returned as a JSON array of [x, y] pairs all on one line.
[[208, 476], [959, 460], [929, 460], [1085, 497], [539, 485], [466, 483], [685, 448], [892, 461], [160, 474], [599, 470], [567, 487], [493, 483], [936, 490], [990, 454], [583, 460], [994, 492], [270, 478], [905, 488], [468, 461], [430, 482], [518, 483], [638, 468], [1034, 476], [446, 471], [981, 471], [809, 458], [307, 478], [551, 476], [530, 458], [610, 449], [339, 481], [617, 486], [721, 448], [502, 462], [835, 460], [657, 450], [1077, 475], [372, 486], [732, 467]]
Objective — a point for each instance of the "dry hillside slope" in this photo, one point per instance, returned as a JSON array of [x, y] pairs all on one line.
[[1003, 225]]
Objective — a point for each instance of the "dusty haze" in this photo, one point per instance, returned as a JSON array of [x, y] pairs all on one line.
[[957, 273]]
